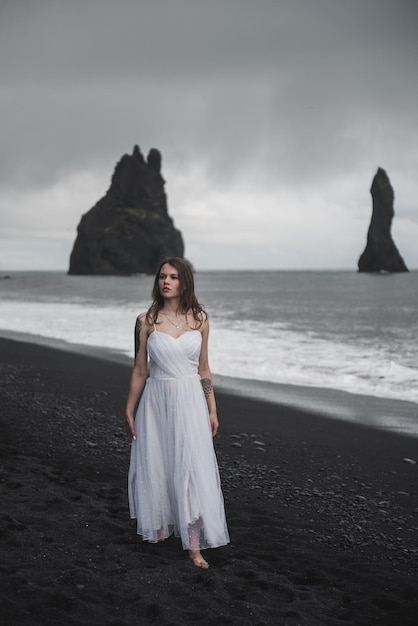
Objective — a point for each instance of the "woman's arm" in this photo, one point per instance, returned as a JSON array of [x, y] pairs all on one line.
[[206, 378], [139, 374]]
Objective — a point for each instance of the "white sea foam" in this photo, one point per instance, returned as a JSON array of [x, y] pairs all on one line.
[[109, 327], [238, 349], [293, 357]]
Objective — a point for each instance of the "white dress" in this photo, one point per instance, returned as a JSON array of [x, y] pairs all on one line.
[[173, 480]]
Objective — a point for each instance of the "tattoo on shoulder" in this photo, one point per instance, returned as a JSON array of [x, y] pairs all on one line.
[[137, 332], [207, 386]]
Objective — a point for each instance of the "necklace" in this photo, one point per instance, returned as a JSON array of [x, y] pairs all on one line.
[[172, 323]]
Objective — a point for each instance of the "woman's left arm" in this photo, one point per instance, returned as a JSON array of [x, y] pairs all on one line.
[[206, 378]]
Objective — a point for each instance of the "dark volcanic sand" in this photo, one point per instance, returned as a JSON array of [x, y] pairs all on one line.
[[323, 515]]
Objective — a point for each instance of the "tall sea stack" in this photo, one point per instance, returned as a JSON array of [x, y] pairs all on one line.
[[129, 229], [381, 253]]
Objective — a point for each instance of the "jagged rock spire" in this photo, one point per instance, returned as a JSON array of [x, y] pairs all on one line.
[[129, 229], [381, 253]]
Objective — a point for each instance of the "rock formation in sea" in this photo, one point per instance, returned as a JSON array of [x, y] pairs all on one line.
[[129, 229], [381, 253]]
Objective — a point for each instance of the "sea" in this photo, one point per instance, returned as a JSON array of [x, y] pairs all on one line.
[[339, 343]]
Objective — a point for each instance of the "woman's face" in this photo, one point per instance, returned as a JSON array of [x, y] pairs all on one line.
[[169, 282]]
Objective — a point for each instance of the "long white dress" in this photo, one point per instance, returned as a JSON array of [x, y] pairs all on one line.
[[173, 480]]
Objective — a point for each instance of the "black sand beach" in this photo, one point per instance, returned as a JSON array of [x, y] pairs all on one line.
[[323, 514]]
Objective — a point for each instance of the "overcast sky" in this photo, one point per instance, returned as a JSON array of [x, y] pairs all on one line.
[[272, 117]]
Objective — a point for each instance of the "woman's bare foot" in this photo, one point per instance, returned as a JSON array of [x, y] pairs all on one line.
[[197, 559], [160, 534]]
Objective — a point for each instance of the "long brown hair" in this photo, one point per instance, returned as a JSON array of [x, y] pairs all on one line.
[[188, 301]]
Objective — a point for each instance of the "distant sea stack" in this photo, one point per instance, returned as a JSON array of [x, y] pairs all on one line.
[[129, 229], [381, 253]]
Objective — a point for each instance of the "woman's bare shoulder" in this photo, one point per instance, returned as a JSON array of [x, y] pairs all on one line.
[[203, 321], [197, 320], [142, 321]]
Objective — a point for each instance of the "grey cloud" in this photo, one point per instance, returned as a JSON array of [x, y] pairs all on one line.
[[194, 46], [269, 92]]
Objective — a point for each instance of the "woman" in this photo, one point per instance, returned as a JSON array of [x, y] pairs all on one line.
[[173, 481]]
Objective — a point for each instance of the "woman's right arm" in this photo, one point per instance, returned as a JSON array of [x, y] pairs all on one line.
[[139, 374]]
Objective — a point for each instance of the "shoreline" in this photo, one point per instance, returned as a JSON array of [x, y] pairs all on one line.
[[393, 415]]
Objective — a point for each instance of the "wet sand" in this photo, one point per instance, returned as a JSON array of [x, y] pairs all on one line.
[[323, 514]]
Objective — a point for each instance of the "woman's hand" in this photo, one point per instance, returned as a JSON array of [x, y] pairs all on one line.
[[214, 424], [130, 428]]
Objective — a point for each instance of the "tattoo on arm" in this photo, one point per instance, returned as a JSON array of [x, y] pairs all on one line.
[[207, 386], [137, 332]]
